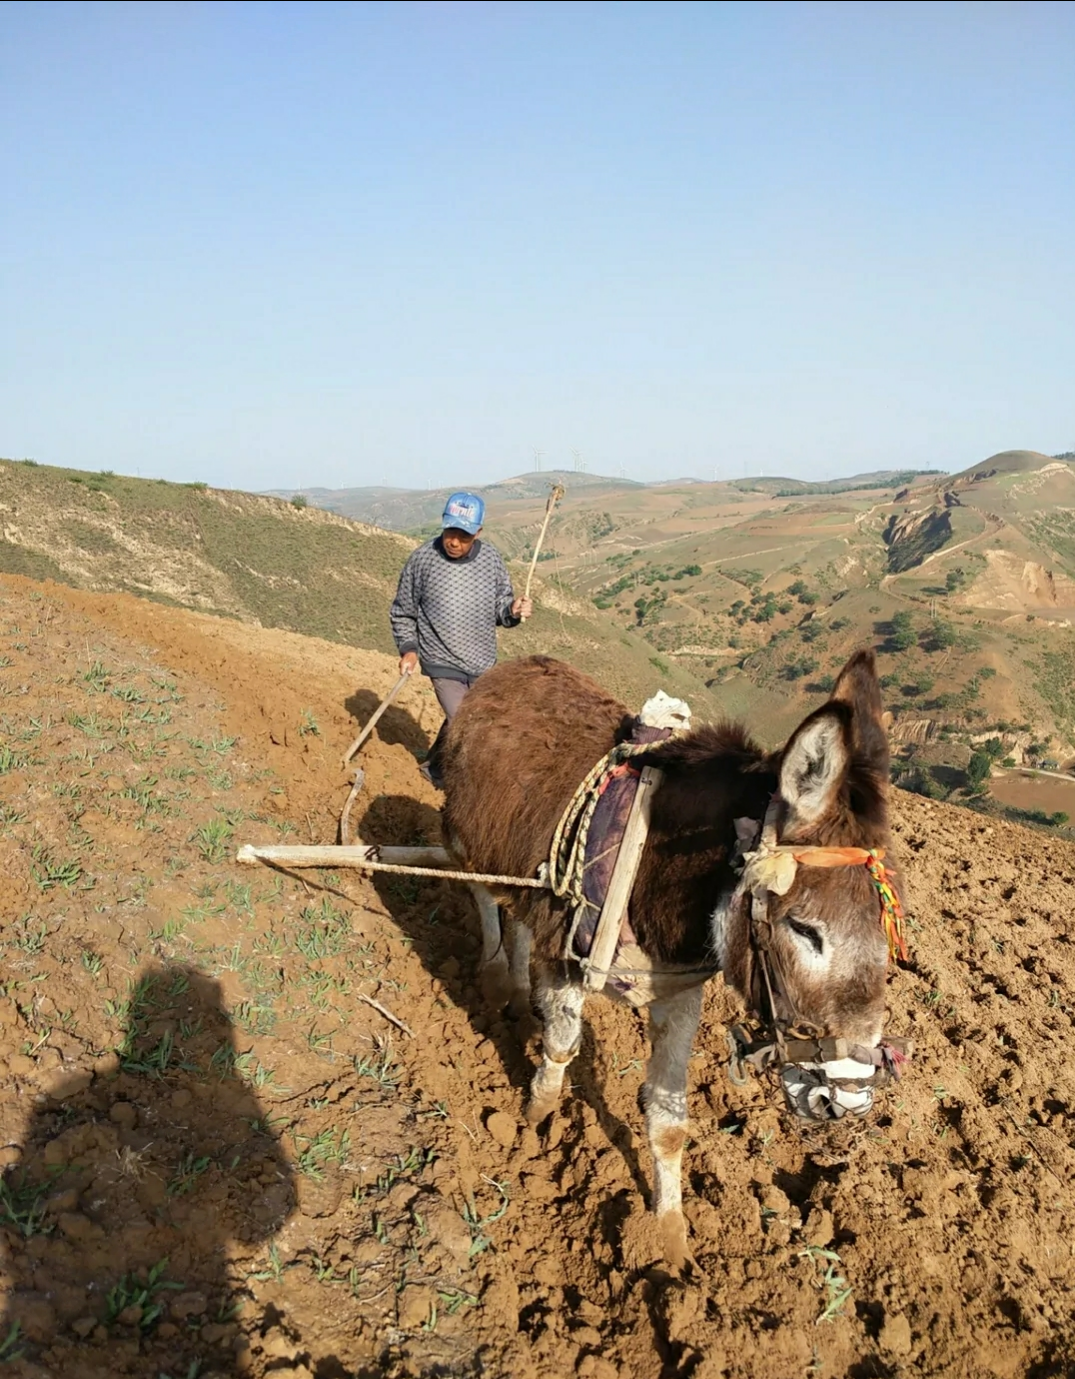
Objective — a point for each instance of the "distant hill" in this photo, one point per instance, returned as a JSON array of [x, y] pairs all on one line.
[[741, 599], [412, 510], [267, 561], [1007, 462], [793, 488]]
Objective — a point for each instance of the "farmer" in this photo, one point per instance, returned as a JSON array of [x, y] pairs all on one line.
[[453, 593]]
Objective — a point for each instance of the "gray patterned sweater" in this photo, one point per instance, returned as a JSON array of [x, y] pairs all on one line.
[[448, 610]]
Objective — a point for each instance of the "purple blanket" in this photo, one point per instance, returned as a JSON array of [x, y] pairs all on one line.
[[606, 832]]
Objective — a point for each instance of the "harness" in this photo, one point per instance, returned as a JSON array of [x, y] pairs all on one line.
[[823, 1078], [593, 860]]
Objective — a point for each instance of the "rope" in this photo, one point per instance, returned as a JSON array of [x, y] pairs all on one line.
[[891, 909], [479, 878], [567, 854], [567, 861]]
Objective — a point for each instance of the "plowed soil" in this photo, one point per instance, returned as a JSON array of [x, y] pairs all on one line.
[[219, 1160]]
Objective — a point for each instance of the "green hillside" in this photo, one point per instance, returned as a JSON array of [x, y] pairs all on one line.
[[267, 561], [778, 487], [742, 602]]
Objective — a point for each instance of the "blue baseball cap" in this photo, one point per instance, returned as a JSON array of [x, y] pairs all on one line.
[[465, 511]]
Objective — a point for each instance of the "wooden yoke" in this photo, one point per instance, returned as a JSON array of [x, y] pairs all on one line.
[[621, 883]]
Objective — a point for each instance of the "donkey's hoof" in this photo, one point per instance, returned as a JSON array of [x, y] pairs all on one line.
[[540, 1108], [497, 989], [519, 1007], [677, 1252]]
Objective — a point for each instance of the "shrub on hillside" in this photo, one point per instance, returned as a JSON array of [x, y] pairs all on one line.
[[939, 636], [920, 782], [796, 670], [978, 768]]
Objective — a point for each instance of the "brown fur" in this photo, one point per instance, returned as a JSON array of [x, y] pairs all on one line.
[[671, 1141], [530, 730]]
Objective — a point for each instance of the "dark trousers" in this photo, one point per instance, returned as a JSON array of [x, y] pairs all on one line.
[[450, 694]]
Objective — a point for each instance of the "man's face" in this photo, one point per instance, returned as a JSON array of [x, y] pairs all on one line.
[[457, 543]]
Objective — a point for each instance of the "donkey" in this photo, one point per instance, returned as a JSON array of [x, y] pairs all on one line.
[[795, 929]]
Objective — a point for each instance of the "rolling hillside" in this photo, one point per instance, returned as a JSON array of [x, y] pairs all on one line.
[[269, 562], [740, 598], [410, 510], [963, 582]]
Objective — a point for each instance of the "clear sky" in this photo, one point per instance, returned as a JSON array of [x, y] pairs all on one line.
[[275, 245]]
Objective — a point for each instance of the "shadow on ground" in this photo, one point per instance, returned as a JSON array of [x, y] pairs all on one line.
[[128, 1187], [396, 725]]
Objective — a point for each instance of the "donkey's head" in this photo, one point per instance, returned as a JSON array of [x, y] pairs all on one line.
[[815, 904]]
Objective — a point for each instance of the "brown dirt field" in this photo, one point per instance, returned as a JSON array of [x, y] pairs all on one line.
[[218, 1162], [1029, 790]]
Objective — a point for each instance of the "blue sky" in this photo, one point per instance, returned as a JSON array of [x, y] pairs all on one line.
[[284, 245]]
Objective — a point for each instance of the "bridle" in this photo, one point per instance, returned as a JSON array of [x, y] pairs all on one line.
[[769, 868]]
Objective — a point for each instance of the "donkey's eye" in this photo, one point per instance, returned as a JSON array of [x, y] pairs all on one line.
[[808, 932]]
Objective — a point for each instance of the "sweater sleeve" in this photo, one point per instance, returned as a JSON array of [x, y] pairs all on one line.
[[505, 596], [404, 613]]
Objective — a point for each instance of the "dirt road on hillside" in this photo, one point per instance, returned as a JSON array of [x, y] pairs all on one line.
[[217, 1162]]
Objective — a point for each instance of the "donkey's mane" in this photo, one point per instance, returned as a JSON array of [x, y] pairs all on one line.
[[724, 744], [861, 815]]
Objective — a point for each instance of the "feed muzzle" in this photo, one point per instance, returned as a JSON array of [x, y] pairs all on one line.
[[830, 1089], [822, 1079]]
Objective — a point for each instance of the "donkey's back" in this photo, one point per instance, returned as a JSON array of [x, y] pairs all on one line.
[[524, 737]]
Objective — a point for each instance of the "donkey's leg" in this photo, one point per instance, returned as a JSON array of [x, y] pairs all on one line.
[[519, 944], [673, 1025], [560, 1005], [495, 973]]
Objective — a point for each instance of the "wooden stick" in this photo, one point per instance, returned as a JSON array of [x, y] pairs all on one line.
[[356, 855], [554, 497], [383, 1010], [432, 862], [623, 879], [373, 721], [345, 817]]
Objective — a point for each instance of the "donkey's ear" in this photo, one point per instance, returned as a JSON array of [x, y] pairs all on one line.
[[814, 765], [858, 687]]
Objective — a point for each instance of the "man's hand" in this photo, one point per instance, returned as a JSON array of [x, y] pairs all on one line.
[[522, 608], [408, 663]]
